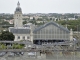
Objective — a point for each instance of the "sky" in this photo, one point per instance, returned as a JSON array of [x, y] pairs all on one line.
[[41, 6]]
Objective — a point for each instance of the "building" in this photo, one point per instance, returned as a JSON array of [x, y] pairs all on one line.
[[18, 16], [20, 32], [50, 32]]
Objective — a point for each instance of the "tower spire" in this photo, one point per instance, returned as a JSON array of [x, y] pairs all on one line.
[[18, 4], [18, 16]]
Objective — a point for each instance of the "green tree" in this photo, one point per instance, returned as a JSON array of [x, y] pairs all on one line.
[[50, 18], [33, 18], [3, 46], [7, 36], [74, 24], [5, 23], [24, 22], [18, 46]]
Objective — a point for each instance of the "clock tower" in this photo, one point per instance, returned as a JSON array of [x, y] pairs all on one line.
[[18, 16]]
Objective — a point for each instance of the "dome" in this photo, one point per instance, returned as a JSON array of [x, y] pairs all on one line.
[[18, 9]]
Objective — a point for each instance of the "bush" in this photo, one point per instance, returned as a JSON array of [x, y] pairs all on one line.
[[3, 46], [18, 46]]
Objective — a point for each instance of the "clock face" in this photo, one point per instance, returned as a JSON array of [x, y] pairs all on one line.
[[3, 59]]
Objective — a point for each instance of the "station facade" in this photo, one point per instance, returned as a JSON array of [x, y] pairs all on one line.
[[50, 32]]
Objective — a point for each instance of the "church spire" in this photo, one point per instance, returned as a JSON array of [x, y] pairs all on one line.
[[18, 4], [18, 16]]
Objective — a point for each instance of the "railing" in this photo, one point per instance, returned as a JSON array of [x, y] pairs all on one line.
[[45, 47]]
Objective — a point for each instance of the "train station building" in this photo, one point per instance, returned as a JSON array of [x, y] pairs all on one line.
[[50, 32]]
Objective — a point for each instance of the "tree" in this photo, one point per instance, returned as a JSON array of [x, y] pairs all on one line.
[[5, 23], [18, 46], [7, 36], [50, 18], [33, 18], [24, 22], [3, 46], [74, 24]]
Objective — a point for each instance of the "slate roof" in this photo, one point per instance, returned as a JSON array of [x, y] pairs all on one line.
[[20, 31], [54, 23], [18, 9]]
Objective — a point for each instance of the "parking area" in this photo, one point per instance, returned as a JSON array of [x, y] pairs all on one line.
[[36, 56]]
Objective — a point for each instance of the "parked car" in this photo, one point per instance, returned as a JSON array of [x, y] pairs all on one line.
[[11, 54], [2, 54]]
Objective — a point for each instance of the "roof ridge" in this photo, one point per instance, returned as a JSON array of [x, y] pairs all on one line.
[[54, 23]]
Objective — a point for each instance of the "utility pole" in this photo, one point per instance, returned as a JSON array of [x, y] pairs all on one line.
[[77, 31]]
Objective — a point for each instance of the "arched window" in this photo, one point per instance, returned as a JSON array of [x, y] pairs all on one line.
[[28, 37], [18, 37], [23, 37]]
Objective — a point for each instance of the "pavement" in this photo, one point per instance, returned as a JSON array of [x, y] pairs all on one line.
[[56, 56]]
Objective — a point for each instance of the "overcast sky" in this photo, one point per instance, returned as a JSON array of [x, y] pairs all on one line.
[[41, 6]]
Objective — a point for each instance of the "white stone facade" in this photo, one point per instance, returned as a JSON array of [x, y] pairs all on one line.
[[18, 16], [20, 32], [18, 19], [19, 37]]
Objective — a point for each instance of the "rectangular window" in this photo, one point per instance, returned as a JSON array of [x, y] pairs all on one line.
[[23, 37], [18, 37], [28, 37]]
